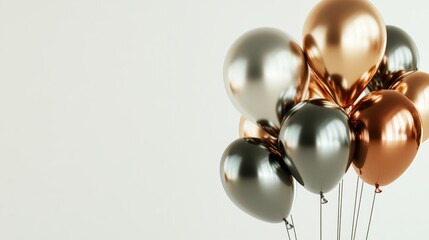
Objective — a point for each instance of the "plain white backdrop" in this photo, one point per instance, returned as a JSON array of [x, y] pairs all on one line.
[[113, 119]]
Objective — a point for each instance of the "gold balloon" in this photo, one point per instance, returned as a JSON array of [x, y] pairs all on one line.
[[344, 42], [388, 133], [416, 87]]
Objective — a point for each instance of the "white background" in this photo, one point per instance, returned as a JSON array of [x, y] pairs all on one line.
[[113, 119]]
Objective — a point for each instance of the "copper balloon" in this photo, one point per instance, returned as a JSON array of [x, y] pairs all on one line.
[[247, 129], [388, 134], [415, 86], [344, 42]]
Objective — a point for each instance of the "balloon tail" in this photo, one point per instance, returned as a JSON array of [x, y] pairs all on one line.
[[340, 208], [354, 208], [293, 224], [323, 200], [288, 227], [358, 211], [377, 190]]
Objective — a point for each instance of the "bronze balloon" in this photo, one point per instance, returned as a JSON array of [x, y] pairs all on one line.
[[344, 42], [415, 86], [388, 133]]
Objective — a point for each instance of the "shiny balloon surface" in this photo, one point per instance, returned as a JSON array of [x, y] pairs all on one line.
[[344, 42], [388, 134], [257, 181], [317, 143], [401, 56], [265, 74]]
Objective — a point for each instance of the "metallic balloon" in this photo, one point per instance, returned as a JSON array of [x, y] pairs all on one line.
[[248, 129], [388, 135], [265, 74], [317, 143], [415, 86], [344, 42], [401, 56], [257, 181]]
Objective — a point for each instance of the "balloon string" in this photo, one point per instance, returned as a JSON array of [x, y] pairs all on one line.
[[354, 208], [377, 190], [287, 228], [340, 208], [358, 211], [338, 213], [320, 215], [294, 231]]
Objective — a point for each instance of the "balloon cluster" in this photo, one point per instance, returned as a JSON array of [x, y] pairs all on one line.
[[351, 96]]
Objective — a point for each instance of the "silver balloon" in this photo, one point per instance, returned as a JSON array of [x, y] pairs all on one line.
[[401, 56], [265, 74], [317, 143], [256, 180]]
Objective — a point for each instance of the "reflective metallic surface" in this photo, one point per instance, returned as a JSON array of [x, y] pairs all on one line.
[[388, 134], [248, 129], [317, 141], [265, 74], [401, 56], [415, 86], [344, 42], [256, 181], [315, 91]]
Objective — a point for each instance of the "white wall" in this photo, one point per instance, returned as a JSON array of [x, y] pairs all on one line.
[[113, 119]]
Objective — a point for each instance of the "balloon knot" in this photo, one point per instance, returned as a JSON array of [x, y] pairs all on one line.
[[377, 189]]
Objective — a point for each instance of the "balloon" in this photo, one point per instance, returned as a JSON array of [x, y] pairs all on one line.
[[265, 74], [415, 86], [317, 143], [256, 181], [344, 42], [388, 135], [401, 56], [248, 129]]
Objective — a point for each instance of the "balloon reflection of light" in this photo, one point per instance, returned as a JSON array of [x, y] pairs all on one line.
[[278, 66], [398, 127], [293, 130], [399, 57], [329, 139], [237, 72], [233, 168], [361, 31], [422, 102]]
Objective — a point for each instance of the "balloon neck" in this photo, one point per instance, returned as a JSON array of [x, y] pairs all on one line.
[[323, 200], [377, 189], [288, 225]]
